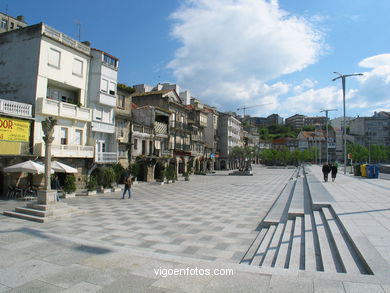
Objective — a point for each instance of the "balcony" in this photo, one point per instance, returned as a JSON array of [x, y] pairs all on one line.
[[120, 112], [106, 99], [66, 151], [64, 39], [15, 108], [106, 157], [103, 127], [184, 147], [61, 109], [160, 128], [196, 137]]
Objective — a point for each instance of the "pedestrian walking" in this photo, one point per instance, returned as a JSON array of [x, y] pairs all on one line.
[[334, 171], [325, 170], [127, 186], [57, 186]]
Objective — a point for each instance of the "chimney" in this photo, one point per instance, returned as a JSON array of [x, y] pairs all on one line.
[[20, 18], [87, 43]]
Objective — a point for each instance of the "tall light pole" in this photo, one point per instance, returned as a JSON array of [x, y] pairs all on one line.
[[327, 132], [343, 77]]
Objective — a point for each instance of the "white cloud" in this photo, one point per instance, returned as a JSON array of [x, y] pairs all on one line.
[[374, 89], [312, 101], [305, 84], [231, 48]]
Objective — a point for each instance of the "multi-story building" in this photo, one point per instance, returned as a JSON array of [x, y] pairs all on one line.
[[274, 119], [211, 138], [373, 130], [337, 126], [296, 121], [179, 129], [123, 123], [317, 139], [102, 99], [44, 67], [229, 133], [16, 126], [320, 120], [9, 23], [150, 146]]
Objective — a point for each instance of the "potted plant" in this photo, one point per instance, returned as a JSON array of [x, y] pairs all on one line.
[[170, 173], [70, 186], [91, 185], [186, 176], [106, 176]]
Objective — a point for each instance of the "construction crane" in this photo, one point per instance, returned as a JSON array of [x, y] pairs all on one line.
[[244, 108]]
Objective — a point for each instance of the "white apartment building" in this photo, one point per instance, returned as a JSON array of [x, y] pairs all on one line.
[[102, 95], [48, 69], [229, 134]]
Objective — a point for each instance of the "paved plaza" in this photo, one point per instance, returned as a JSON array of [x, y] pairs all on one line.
[[209, 222]]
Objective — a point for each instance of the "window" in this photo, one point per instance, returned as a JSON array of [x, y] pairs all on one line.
[[104, 86], [110, 60], [78, 136], [120, 102], [64, 135], [77, 67], [106, 116], [136, 144], [54, 58], [144, 147], [98, 113], [150, 147], [4, 24], [12, 25], [112, 88]]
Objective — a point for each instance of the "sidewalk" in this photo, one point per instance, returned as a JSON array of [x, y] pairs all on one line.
[[53, 258], [363, 206]]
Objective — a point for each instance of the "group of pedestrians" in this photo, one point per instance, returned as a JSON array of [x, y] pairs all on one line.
[[329, 168]]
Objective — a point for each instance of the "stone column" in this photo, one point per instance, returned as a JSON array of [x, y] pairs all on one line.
[[47, 196]]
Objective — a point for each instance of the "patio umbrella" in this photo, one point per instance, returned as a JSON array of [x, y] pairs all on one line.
[[26, 167], [62, 168]]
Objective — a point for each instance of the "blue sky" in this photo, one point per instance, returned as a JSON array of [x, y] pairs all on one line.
[[231, 53]]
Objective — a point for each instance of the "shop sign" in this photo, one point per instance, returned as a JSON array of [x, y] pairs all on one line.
[[14, 129]]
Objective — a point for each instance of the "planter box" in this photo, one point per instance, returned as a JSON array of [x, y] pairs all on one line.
[[92, 192], [116, 189], [69, 195]]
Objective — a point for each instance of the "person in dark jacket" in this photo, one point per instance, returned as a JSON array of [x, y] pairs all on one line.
[[334, 171], [325, 170]]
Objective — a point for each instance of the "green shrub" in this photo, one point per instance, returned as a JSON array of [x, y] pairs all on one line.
[[119, 171], [134, 169], [70, 183], [106, 176], [91, 183], [170, 172]]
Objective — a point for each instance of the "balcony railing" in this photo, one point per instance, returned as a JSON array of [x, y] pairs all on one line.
[[106, 157], [184, 147], [61, 109], [160, 128], [15, 108], [68, 151], [64, 39], [103, 127]]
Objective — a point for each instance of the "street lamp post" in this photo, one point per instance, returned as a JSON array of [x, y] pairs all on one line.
[[343, 77], [327, 132]]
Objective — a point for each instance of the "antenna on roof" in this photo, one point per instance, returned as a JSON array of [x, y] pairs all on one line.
[[78, 24]]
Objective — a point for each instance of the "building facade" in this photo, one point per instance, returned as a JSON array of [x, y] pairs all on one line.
[[102, 99], [229, 132], [9, 23], [296, 121], [49, 70]]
